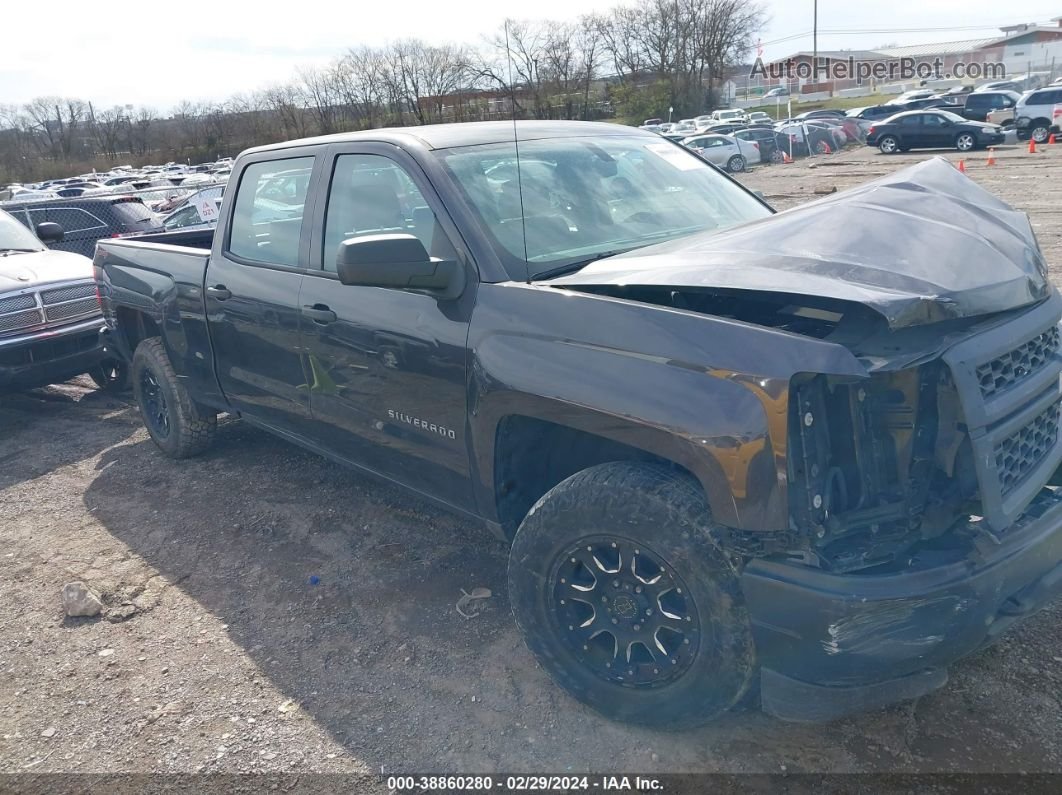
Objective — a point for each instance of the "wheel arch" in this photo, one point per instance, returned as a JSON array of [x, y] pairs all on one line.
[[531, 456]]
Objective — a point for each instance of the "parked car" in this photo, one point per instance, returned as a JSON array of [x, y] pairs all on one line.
[[835, 128], [1003, 117], [807, 137], [933, 129], [873, 112], [760, 117], [1000, 85], [722, 128], [725, 151], [686, 126], [1034, 113], [981, 103], [821, 113], [729, 115], [925, 103], [910, 96], [86, 220], [190, 216], [771, 143], [798, 451], [50, 317]]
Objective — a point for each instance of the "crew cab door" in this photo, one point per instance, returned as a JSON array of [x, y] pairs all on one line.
[[387, 366], [252, 292]]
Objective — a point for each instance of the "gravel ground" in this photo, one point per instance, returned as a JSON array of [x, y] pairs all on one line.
[[288, 615]]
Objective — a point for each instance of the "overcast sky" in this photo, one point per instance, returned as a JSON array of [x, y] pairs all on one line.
[[158, 52]]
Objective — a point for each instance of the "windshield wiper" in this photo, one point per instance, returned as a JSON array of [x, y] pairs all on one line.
[[5, 251], [579, 264]]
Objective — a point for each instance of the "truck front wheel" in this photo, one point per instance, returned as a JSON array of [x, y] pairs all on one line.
[[177, 424], [626, 600]]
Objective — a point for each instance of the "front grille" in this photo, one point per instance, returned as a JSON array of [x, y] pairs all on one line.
[[20, 320], [1017, 455], [71, 293], [17, 302], [72, 309], [50, 307], [1015, 366]]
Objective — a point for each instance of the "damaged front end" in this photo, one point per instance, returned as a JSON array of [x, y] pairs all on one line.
[[921, 519], [961, 441]]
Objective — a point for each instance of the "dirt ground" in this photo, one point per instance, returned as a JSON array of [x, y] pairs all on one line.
[[293, 616]]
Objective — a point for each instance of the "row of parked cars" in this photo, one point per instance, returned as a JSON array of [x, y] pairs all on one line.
[[733, 139], [121, 179], [962, 117], [50, 314]]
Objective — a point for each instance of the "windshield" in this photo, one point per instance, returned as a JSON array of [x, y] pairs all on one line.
[[584, 198], [15, 237]]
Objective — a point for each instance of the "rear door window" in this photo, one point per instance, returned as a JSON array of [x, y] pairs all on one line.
[[74, 219], [270, 205]]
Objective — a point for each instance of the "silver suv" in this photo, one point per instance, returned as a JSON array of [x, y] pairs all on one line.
[[1034, 113]]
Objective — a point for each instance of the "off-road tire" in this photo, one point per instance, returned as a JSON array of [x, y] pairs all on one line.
[[191, 426], [666, 515]]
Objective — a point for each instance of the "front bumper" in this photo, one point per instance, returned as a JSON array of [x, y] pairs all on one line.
[[832, 644], [51, 356]]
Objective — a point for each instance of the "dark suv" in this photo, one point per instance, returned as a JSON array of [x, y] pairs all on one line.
[[84, 221], [979, 104]]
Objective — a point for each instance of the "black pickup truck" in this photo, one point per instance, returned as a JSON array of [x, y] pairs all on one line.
[[801, 456]]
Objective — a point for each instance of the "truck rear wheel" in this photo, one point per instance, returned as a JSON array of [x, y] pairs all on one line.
[[177, 424], [625, 599]]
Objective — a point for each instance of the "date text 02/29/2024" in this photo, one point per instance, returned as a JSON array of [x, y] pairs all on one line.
[[524, 783]]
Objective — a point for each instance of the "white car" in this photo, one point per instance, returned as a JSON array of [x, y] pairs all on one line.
[[725, 151], [759, 117], [729, 115], [907, 96], [1034, 113]]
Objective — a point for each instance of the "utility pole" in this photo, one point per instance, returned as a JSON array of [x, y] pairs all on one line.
[[814, 40]]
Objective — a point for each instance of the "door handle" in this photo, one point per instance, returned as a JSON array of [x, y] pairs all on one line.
[[219, 291], [319, 313]]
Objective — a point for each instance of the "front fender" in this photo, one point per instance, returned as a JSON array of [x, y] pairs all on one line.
[[706, 393]]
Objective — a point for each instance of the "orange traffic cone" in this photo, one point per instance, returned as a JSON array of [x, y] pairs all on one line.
[[826, 149], [1032, 147], [1051, 139], [785, 157], [962, 166], [991, 157]]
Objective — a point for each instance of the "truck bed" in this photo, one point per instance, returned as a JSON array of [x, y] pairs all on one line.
[[194, 238]]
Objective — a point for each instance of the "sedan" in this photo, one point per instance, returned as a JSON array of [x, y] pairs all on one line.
[[725, 151], [935, 129]]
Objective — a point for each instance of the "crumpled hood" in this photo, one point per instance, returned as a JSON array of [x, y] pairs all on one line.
[[41, 267], [921, 245]]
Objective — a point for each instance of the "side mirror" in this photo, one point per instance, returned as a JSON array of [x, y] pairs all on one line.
[[399, 261], [49, 232]]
